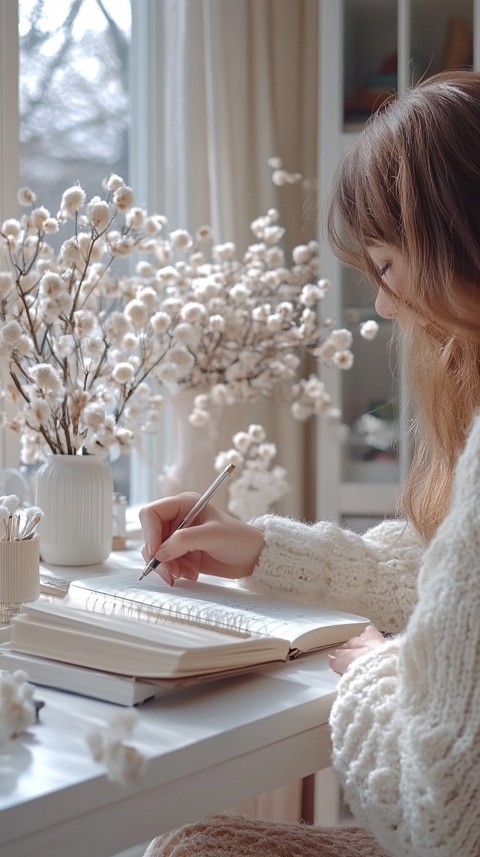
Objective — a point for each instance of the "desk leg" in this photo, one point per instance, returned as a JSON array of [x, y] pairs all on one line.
[[327, 799], [282, 804]]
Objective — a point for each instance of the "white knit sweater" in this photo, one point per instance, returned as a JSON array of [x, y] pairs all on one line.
[[374, 575], [406, 721]]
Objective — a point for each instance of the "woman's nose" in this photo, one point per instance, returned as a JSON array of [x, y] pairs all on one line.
[[385, 305]]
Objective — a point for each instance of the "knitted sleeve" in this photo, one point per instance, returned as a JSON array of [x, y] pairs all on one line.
[[374, 575], [406, 721]]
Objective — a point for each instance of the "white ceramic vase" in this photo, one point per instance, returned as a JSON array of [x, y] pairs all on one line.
[[192, 451], [75, 493]]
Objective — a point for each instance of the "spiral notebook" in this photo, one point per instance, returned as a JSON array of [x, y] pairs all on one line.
[[148, 630]]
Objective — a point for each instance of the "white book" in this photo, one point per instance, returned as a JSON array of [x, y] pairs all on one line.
[[109, 687], [145, 629]]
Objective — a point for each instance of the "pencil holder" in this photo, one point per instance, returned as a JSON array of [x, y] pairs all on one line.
[[19, 575]]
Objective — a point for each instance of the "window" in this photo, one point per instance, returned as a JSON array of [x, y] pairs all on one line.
[[73, 121], [74, 111]]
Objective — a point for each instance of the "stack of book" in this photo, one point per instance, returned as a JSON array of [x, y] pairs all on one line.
[[115, 638]]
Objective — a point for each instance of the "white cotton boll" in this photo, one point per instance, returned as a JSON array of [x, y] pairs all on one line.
[[274, 323], [204, 233], [99, 213], [160, 322], [187, 334], [273, 234], [94, 416], [341, 338], [224, 252], [181, 239], [166, 373], [17, 711], [124, 764], [242, 441], [125, 438], [216, 323], [181, 358], [192, 312], [135, 218], [343, 359], [199, 418], [51, 226], [123, 373], [267, 451], [48, 310], [11, 333], [256, 433], [38, 217], [85, 322], [37, 412], [300, 411], [260, 313], [311, 295], [116, 326], [11, 227], [369, 329], [123, 198], [144, 269], [219, 395], [26, 197], [325, 351], [137, 313], [46, 378], [130, 342], [73, 199], [279, 177], [93, 348], [114, 182], [301, 254], [70, 252], [240, 293]]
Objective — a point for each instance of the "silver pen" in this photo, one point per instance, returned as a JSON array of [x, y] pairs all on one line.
[[194, 512]]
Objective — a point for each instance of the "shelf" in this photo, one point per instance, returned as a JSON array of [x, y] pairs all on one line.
[[369, 48]]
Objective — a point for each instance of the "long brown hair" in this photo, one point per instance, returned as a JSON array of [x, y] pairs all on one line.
[[412, 180]]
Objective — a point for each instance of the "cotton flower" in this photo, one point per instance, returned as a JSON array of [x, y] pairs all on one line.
[[46, 378], [72, 200], [123, 198], [343, 359], [136, 312], [128, 304], [108, 746], [10, 333], [17, 709], [256, 484], [25, 196], [369, 329], [98, 213], [123, 373], [181, 239]]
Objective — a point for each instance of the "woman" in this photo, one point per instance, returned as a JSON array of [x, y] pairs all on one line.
[[405, 209]]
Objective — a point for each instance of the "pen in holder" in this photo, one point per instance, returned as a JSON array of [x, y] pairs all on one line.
[[19, 575]]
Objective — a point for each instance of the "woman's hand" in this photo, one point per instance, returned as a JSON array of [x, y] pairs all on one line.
[[214, 544], [367, 641]]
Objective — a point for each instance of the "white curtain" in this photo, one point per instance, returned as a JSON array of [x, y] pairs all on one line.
[[236, 84]]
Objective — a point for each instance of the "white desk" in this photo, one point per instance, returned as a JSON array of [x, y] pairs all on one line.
[[208, 748]]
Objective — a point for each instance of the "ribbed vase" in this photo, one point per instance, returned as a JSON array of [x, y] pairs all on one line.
[[192, 450], [75, 493]]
